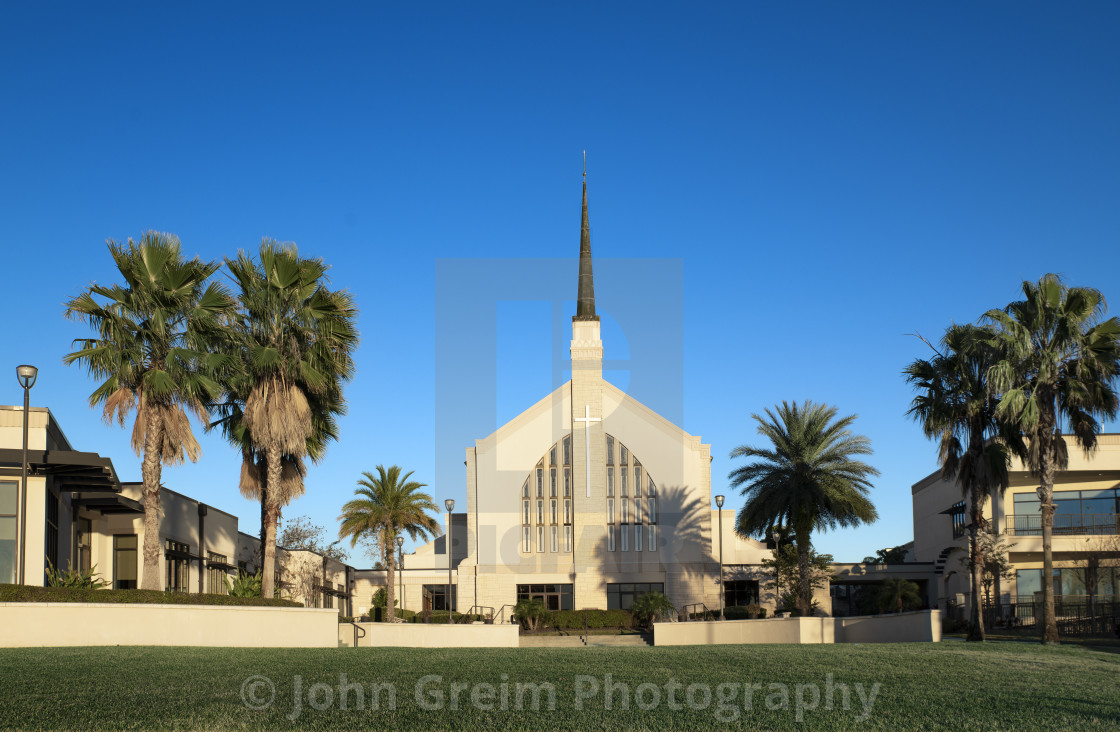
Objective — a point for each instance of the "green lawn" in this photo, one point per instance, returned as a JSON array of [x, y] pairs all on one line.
[[951, 685]]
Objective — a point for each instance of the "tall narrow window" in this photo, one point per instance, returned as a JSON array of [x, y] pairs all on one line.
[[568, 539], [552, 456], [652, 518], [625, 538], [540, 538], [610, 510], [552, 511], [552, 482], [540, 483], [52, 528], [84, 545], [567, 512], [637, 479], [610, 537], [637, 510], [610, 450], [553, 545], [540, 512], [652, 487], [610, 481], [568, 450], [625, 503], [525, 518], [525, 489], [124, 562], [637, 537], [9, 502], [526, 545], [622, 479], [176, 557], [567, 482], [623, 454], [652, 538], [216, 576]]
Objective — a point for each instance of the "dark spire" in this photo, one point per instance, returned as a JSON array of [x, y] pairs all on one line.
[[585, 301]]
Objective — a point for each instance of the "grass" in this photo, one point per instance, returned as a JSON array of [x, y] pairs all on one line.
[[922, 686]]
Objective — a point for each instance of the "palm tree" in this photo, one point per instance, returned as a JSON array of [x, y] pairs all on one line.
[[806, 479], [897, 593], [386, 505], [295, 339], [154, 352], [1061, 359], [956, 406]]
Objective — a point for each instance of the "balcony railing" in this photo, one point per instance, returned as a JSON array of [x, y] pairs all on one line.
[[1066, 524]]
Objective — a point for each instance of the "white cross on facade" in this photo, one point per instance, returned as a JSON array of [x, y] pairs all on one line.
[[587, 419]]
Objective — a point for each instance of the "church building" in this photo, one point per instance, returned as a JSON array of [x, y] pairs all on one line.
[[586, 499]]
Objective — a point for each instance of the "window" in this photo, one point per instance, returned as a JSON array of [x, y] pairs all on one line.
[[621, 596], [525, 489], [739, 593], [610, 481], [625, 537], [525, 512], [567, 482], [216, 576], [637, 478], [610, 537], [176, 557], [624, 454], [552, 482], [552, 456], [552, 511], [1075, 512], [567, 512], [83, 548], [554, 597], [623, 481], [568, 539], [526, 542], [540, 538], [610, 450], [435, 597], [637, 537], [610, 510], [124, 562], [637, 510], [652, 531], [540, 483], [553, 547], [652, 487], [9, 501], [328, 599], [52, 528], [568, 450], [652, 514], [956, 512], [624, 503], [540, 512]]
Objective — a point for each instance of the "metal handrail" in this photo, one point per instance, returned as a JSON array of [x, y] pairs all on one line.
[[688, 613], [502, 611], [485, 616], [1065, 523], [358, 629]]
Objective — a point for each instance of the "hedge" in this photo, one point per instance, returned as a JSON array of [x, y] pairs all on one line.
[[573, 619], [28, 593]]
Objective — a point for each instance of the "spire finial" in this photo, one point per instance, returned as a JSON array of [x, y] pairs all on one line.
[[585, 301]]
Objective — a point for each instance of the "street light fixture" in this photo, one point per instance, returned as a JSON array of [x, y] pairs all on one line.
[[449, 504], [776, 536], [719, 505], [400, 565], [26, 375]]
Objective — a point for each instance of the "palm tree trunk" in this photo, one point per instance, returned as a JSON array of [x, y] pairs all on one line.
[[271, 491], [804, 581], [152, 468], [391, 574], [1049, 621], [976, 616]]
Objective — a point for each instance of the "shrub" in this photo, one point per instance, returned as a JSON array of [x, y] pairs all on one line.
[[529, 613], [573, 619], [751, 612], [651, 606], [246, 585], [74, 579], [26, 593]]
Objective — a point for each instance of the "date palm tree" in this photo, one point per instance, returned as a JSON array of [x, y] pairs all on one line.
[[385, 505], [808, 479], [1061, 358], [154, 353], [295, 339], [897, 594], [956, 406]]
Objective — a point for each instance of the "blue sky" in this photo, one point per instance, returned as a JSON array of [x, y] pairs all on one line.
[[827, 178]]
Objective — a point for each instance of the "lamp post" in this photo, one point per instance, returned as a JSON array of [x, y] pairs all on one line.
[[777, 573], [719, 506], [400, 565], [26, 376], [449, 504]]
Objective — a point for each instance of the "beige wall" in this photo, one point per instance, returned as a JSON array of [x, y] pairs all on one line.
[[424, 635], [916, 627], [37, 624]]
